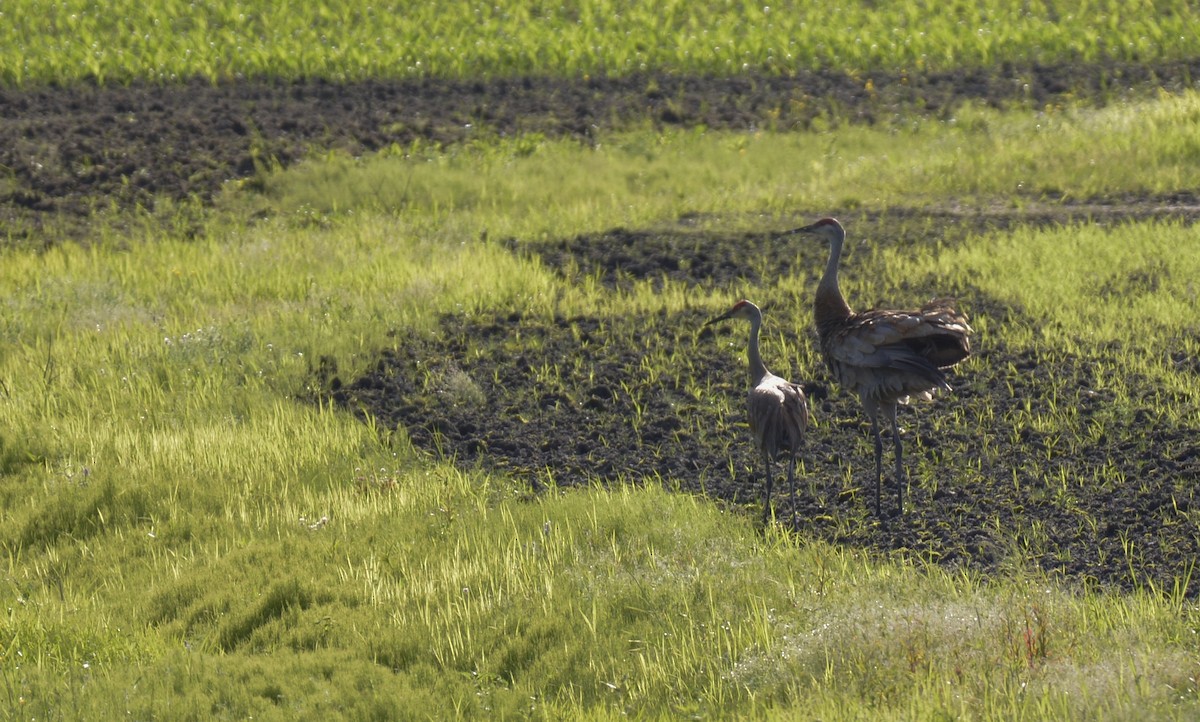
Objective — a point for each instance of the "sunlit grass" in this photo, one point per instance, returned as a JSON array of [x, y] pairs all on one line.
[[1089, 284], [536, 187], [167, 40], [614, 601]]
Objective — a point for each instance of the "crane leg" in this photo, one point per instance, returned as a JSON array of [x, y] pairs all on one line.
[[767, 494], [878, 463], [900, 480], [792, 485]]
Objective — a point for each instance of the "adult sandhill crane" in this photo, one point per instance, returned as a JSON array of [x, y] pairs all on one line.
[[777, 409], [884, 356]]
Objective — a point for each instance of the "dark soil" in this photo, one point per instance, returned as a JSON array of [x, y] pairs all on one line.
[[68, 152], [982, 494]]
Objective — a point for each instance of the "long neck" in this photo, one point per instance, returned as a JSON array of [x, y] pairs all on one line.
[[757, 369], [830, 304]]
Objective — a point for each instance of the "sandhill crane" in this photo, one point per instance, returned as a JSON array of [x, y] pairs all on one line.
[[886, 357], [777, 408]]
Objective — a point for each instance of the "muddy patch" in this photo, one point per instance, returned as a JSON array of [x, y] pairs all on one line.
[[620, 257], [1106, 499]]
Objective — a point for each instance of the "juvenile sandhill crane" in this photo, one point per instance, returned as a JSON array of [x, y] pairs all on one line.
[[886, 357], [777, 408]]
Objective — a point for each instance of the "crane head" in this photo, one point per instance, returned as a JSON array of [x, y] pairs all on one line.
[[741, 309], [826, 228]]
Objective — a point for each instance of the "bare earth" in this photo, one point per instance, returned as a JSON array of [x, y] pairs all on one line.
[[984, 493]]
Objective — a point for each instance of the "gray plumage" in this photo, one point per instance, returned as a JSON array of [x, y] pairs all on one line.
[[776, 408], [886, 357]]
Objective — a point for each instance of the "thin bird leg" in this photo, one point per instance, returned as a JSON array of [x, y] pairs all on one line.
[[900, 480], [878, 462], [792, 484], [767, 497]]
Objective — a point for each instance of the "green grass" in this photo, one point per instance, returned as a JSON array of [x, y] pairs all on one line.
[[170, 40], [979, 158], [1141, 271], [612, 602]]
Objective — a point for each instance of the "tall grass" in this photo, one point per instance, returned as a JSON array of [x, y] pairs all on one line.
[[608, 603], [1137, 274], [980, 158], [167, 40]]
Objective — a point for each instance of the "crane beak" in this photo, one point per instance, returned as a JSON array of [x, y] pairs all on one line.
[[718, 319], [797, 231]]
